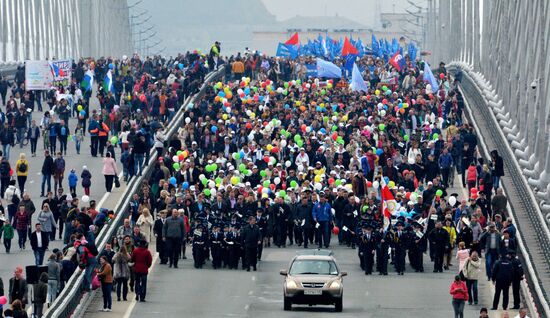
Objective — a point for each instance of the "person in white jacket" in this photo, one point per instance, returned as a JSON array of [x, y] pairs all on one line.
[[302, 159], [145, 223]]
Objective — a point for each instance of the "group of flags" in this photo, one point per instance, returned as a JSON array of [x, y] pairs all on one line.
[[88, 81]]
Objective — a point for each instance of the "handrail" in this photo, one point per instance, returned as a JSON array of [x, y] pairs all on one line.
[[71, 296], [524, 251]]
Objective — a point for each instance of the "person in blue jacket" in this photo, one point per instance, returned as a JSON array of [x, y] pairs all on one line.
[[73, 181], [322, 215]]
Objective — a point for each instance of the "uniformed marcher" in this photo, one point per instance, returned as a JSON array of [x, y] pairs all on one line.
[[233, 241], [216, 248], [384, 243], [400, 245], [516, 279], [161, 244], [417, 247], [225, 246], [251, 238], [349, 221], [304, 220], [261, 221], [200, 243], [281, 213], [367, 247]]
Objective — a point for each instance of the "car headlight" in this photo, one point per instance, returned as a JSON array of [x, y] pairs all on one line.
[[291, 284], [336, 284]]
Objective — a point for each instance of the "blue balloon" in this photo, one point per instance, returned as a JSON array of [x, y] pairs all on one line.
[[387, 180], [221, 94], [180, 65], [214, 129], [111, 66], [247, 91], [323, 130], [379, 151], [185, 185], [173, 181], [287, 106], [318, 108], [261, 98], [83, 113], [241, 153]]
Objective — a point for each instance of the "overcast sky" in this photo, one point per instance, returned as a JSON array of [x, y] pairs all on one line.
[[361, 11]]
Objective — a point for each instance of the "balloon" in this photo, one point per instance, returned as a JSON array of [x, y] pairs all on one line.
[[218, 180], [391, 184], [377, 92], [406, 137], [277, 180], [111, 66], [187, 120], [282, 193], [204, 181], [185, 185], [80, 108], [266, 183], [85, 199], [288, 163], [293, 183], [214, 129], [207, 192], [379, 152], [114, 140], [381, 127], [439, 193], [452, 200], [173, 181], [317, 178], [180, 66], [318, 186], [82, 113], [335, 230], [376, 184], [176, 166], [338, 182], [3, 300], [235, 180], [176, 159], [435, 136]]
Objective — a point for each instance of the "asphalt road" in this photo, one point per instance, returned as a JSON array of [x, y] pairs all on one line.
[[237, 293]]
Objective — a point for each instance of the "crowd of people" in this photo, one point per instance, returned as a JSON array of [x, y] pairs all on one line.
[[269, 157]]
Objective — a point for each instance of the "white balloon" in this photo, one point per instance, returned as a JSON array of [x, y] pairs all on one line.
[[318, 186], [175, 159], [211, 184], [452, 200], [264, 190], [213, 192], [201, 176], [85, 199], [187, 120], [280, 90], [300, 168], [376, 184], [283, 143], [277, 180], [288, 164], [308, 85]]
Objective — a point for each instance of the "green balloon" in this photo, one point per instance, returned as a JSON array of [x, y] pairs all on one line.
[[365, 208], [300, 143], [323, 91], [406, 137], [176, 166], [242, 167], [218, 180], [207, 192], [338, 182], [204, 181], [293, 183], [384, 88], [439, 192], [381, 127], [297, 138], [334, 128], [266, 183], [282, 193], [286, 84], [263, 173], [435, 136]]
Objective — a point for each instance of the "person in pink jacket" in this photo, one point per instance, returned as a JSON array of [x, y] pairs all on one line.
[[462, 255], [460, 296], [109, 171]]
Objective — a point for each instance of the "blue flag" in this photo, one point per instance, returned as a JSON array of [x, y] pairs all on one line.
[[357, 82], [328, 69], [429, 77], [375, 46], [394, 46], [287, 50]]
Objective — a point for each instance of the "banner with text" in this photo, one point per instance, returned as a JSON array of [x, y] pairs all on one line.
[[42, 75]]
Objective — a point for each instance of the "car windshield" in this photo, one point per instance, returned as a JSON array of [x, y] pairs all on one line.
[[313, 267]]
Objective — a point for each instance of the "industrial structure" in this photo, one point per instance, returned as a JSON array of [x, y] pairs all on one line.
[[38, 29]]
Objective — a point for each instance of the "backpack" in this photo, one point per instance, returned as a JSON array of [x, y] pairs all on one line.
[[14, 198], [23, 167], [60, 164]]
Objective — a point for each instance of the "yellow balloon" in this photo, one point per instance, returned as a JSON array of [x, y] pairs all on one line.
[[405, 105], [349, 186], [329, 85], [345, 118], [317, 178], [252, 115], [298, 103], [269, 147], [377, 92], [391, 184], [224, 116]]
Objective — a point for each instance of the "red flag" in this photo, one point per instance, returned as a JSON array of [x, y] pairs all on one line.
[[348, 48], [398, 61], [389, 205], [293, 40]]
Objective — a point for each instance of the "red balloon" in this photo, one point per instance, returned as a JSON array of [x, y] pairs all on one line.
[[284, 186], [260, 189], [368, 96], [441, 75], [180, 157], [267, 82], [405, 172], [272, 186], [335, 230], [369, 184], [408, 195], [331, 180], [384, 101], [274, 150], [304, 127], [473, 190], [248, 126], [334, 135], [266, 159]]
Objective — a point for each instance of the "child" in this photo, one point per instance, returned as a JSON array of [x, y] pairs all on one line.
[[8, 234], [78, 136], [86, 180], [73, 181]]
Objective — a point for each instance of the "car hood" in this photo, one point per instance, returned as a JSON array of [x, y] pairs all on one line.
[[313, 278]]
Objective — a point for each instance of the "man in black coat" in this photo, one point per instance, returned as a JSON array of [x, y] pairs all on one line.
[[251, 238], [161, 244], [502, 276], [304, 219], [39, 244], [47, 172], [439, 238], [517, 277], [367, 247]]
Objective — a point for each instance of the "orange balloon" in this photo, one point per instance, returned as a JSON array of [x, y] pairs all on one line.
[[303, 108]]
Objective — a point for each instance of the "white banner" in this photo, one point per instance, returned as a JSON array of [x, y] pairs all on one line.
[[38, 75]]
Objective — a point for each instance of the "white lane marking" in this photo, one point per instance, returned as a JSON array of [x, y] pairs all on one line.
[[246, 307], [253, 278], [133, 303], [250, 293]]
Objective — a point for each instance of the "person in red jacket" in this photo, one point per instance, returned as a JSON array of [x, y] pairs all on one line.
[[142, 259], [460, 296]]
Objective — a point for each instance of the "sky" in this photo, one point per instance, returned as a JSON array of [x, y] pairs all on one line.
[[358, 10]]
